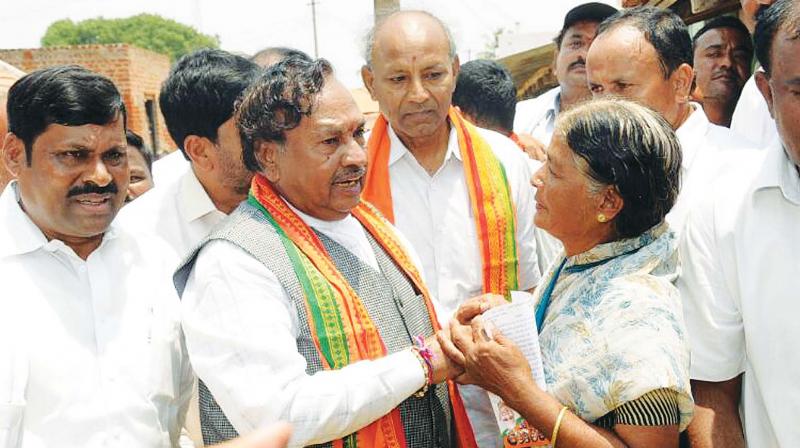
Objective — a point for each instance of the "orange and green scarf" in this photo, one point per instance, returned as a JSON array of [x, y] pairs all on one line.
[[341, 327], [489, 192]]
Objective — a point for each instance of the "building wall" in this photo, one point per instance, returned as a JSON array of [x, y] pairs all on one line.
[[138, 74]]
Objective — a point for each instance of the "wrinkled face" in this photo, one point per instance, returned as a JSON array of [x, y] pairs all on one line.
[[571, 58], [412, 77], [782, 91], [565, 206], [622, 63], [140, 178], [722, 64], [77, 179], [232, 172], [320, 167]]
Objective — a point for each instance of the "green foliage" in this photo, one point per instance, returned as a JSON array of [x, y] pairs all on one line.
[[148, 31]]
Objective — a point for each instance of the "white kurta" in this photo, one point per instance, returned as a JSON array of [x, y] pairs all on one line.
[[241, 328], [709, 151], [180, 213], [740, 283], [537, 116], [752, 118], [102, 362], [435, 214]]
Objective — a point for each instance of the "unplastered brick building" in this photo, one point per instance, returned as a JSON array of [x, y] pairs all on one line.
[[138, 74]]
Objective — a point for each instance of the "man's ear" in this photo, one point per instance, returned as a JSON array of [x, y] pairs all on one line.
[[267, 154], [762, 82], [456, 67], [682, 81], [14, 154], [369, 78], [200, 151]]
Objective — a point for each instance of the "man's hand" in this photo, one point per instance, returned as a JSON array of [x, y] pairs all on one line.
[[444, 368], [478, 305], [534, 148], [275, 436]]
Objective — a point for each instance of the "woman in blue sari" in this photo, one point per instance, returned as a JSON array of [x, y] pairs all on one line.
[[613, 343]]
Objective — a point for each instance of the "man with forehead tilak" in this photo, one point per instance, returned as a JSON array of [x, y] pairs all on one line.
[[305, 305], [96, 358], [461, 194]]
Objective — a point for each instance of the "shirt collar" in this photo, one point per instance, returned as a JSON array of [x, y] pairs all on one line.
[[193, 199], [691, 133], [778, 171], [397, 149], [23, 235]]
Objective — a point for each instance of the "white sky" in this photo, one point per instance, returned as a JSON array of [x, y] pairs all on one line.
[[247, 26]]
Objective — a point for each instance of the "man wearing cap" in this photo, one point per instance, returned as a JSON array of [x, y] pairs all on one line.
[[536, 117]]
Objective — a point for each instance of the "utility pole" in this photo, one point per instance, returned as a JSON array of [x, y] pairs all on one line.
[[314, 24]]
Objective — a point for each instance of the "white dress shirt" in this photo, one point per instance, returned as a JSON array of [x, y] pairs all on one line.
[[537, 116], [740, 286], [102, 362], [180, 213], [752, 119], [169, 168], [241, 328], [709, 151], [435, 214]]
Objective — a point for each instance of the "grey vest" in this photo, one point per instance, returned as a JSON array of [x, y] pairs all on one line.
[[389, 297]]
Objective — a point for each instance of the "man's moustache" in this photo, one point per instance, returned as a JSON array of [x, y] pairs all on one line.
[[111, 188], [578, 63], [350, 174]]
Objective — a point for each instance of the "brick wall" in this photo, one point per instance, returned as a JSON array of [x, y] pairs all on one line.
[[138, 74]]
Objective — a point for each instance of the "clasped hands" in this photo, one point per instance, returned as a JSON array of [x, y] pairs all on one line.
[[464, 351]]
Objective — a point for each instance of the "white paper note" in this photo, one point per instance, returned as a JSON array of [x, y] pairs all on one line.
[[517, 322]]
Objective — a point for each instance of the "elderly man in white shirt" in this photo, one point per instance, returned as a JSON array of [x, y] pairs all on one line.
[[99, 353], [741, 273], [645, 54], [197, 102], [537, 116], [418, 175], [304, 305]]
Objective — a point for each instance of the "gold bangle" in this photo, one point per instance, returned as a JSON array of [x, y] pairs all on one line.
[[557, 427], [425, 369]]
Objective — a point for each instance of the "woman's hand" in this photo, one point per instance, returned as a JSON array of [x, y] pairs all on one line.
[[496, 364], [477, 306]]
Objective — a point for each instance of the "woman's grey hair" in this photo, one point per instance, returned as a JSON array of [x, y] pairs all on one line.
[[628, 146], [369, 38]]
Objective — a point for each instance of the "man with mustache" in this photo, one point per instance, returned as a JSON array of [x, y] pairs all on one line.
[[741, 273], [461, 194], [98, 334], [306, 305], [722, 56], [536, 117], [645, 54]]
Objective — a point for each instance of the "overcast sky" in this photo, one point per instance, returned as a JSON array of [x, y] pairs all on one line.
[[247, 26]]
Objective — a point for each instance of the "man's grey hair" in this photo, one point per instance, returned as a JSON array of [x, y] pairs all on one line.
[[631, 148], [369, 38]]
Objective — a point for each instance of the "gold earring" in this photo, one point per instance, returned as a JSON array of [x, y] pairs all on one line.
[[601, 218]]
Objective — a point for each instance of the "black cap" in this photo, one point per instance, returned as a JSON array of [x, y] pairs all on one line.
[[593, 11]]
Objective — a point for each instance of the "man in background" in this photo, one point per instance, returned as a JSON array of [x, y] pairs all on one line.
[[536, 117], [140, 162], [723, 52]]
